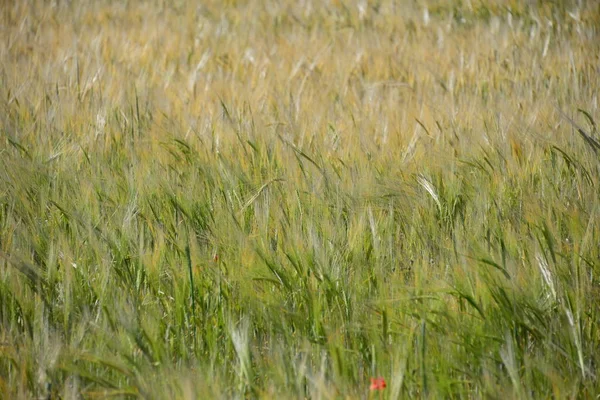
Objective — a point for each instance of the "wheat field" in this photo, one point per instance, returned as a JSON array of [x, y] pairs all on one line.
[[287, 199]]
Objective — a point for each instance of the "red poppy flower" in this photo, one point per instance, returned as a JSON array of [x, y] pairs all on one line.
[[377, 384]]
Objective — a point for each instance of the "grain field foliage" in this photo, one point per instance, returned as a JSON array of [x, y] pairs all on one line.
[[284, 199]]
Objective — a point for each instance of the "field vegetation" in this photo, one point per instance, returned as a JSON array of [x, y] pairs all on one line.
[[284, 199]]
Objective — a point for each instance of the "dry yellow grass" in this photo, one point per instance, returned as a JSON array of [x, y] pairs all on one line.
[[343, 76]]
